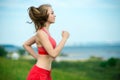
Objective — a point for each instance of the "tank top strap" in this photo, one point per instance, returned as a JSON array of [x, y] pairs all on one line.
[[45, 31]]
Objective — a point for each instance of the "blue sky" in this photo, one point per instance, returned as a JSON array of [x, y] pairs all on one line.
[[88, 21]]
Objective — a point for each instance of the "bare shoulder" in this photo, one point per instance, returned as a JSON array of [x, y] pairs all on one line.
[[41, 33]]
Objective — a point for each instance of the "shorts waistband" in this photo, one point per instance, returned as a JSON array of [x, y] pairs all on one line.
[[41, 69]]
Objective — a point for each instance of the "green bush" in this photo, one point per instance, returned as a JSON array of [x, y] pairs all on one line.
[[2, 51], [103, 64], [112, 62]]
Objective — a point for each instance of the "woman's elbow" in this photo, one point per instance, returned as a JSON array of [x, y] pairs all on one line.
[[54, 55], [24, 45]]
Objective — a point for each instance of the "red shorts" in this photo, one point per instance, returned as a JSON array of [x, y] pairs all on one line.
[[37, 73]]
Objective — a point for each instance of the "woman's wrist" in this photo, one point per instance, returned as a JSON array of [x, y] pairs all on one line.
[[64, 39]]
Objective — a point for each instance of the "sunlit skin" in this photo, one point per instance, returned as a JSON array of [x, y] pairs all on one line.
[[41, 40]]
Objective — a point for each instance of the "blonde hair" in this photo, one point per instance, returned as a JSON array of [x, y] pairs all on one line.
[[39, 15]]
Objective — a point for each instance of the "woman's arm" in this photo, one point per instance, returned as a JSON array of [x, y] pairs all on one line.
[[53, 52], [28, 46]]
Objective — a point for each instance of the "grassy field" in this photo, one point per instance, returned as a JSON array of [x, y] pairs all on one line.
[[92, 69]]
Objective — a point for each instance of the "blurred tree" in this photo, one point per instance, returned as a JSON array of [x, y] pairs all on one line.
[[3, 52], [112, 62], [21, 51]]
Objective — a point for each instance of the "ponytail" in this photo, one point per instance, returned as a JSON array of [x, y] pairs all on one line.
[[39, 15]]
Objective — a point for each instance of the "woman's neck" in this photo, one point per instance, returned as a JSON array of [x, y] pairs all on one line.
[[47, 25]]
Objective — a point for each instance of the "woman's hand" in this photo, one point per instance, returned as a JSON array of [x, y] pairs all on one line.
[[65, 35], [28, 46]]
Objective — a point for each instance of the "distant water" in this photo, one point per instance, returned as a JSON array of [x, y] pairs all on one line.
[[80, 53]]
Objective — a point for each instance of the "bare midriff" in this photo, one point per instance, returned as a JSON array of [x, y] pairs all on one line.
[[44, 61]]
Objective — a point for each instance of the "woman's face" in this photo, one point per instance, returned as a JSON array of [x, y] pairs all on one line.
[[51, 17]]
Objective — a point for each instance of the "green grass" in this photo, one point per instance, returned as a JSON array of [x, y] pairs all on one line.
[[89, 70], [74, 70], [13, 70]]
